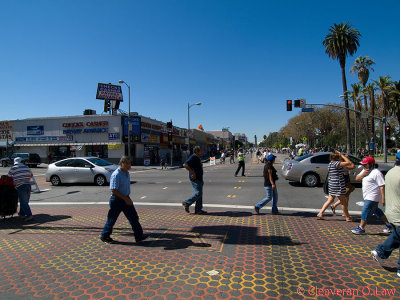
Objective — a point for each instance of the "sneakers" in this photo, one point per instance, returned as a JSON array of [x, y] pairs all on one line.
[[201, 212], [376, 257], [106, 239], [142, 238], [186, 207], [257, 210], [387, 229], [398, 273], [358, 230]]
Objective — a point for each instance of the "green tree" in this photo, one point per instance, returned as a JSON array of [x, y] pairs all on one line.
[[342, 40], [370, 89], [384, 84], [361, 66], [394, 101]]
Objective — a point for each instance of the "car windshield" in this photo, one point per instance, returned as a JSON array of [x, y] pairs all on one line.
[[303, 157], [99, 162]]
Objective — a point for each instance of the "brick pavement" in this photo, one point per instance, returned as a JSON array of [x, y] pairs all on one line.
[[223, 255]]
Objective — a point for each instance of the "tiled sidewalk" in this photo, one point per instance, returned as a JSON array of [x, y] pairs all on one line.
[[223, 255]]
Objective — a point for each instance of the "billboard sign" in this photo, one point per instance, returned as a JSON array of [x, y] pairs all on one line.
[[109, 92], [135, 128], [6, 131], [35, 130]]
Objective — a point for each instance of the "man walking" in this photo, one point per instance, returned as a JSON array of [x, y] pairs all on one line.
[[373, 188], [120, 186], [241, 165], [22, 175], [195, 168], [392, 212]]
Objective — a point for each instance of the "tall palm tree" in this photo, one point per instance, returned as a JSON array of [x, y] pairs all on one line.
[[394, 100], [340, 42], [370, 89], [384, 84], [362, 65]]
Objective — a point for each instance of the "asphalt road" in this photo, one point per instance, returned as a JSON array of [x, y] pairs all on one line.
[[152, 186]]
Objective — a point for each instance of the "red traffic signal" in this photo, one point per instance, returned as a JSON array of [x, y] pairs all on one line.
[[387, 131], [169, 136], [289, 105]]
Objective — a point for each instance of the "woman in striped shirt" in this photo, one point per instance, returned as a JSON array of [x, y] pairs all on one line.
[[336, 183]]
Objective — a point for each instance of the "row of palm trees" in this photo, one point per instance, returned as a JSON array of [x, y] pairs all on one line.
[[341, 41]]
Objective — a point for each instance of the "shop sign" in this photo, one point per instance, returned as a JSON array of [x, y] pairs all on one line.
[[153, 139], [109, 92], [114, 146], [145, 138], [114, 136], [6, 131], [44, 138], [136, 128], [146, 156], [35, 130], [85, 130]]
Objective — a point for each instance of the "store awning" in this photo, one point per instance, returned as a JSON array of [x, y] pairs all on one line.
[[62, 144]]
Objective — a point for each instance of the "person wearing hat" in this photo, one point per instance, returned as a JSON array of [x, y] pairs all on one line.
[[373, 188], [21, 175], [392, 212], [270, 177]]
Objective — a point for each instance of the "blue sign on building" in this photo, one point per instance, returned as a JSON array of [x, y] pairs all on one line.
[[136, 128], [35, 130]]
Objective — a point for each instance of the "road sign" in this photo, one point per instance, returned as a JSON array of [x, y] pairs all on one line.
[[307, 109]]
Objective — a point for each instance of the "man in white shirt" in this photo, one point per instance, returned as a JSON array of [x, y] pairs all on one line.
[[373, 187]]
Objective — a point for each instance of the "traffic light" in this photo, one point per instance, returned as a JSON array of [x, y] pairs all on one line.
[[289, 105], [169, 126], [387, 131], [297, 103], [169, 136], [107, 105]]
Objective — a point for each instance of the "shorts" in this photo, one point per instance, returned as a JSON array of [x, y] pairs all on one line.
[[370, 208]]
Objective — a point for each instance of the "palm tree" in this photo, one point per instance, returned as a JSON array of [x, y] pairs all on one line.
[[384, 84], [362, 65], [370, 89], [394, 100], [264, 137], [341, 41]]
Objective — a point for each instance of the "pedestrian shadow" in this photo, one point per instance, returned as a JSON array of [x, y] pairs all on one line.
[[232, 214], [242, 235], [19, 224]]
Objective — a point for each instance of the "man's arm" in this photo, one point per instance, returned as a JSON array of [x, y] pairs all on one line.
[[127, 199], [382, 188], [192, 173], [363, 174], [271, 179]]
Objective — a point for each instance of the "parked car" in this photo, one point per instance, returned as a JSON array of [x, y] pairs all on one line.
[[30, 159], [80, 170], [312, 169]]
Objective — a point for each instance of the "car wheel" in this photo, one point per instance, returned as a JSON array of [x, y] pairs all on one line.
[[4, 164], [55, 180], [100, 180], [311, 180]]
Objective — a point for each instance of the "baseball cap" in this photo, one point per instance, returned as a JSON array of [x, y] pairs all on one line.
[[398, 156], [271, 157], [17, 160], [368, 160]]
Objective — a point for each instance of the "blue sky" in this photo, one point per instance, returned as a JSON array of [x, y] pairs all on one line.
[[241, 59]]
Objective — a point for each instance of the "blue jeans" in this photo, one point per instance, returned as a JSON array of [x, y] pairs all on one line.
[[392, 242], [197, 196], [116, 206], [370, 208], [24, 194], [271, 195]]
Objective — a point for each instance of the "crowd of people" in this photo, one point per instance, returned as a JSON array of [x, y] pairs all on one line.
[[375, 189]]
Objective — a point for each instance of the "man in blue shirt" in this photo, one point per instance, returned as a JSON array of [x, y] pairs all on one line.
[[120, 186], [195, 168]]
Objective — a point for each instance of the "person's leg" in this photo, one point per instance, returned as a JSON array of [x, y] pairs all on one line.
[[243, 164], [133, 218], [368, 209], [391, 243], [199, 202], [267, 198], [20, 192], [112, 216], [24, 194], [326, 205], [275, 201], [196, 194], [238, 168], [343, 200]]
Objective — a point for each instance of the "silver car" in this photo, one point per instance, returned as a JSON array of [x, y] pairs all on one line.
[[80, 170], [312, 169]]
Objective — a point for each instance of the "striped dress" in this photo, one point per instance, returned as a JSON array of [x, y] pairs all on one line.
[[336, 182]]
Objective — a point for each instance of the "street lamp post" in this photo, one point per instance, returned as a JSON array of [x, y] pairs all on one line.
[[129, 117], [188, 109]]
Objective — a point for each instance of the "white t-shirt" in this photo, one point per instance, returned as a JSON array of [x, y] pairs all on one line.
[[371, 184]]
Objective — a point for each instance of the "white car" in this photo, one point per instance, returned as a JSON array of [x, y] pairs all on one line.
[[80, 170]]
